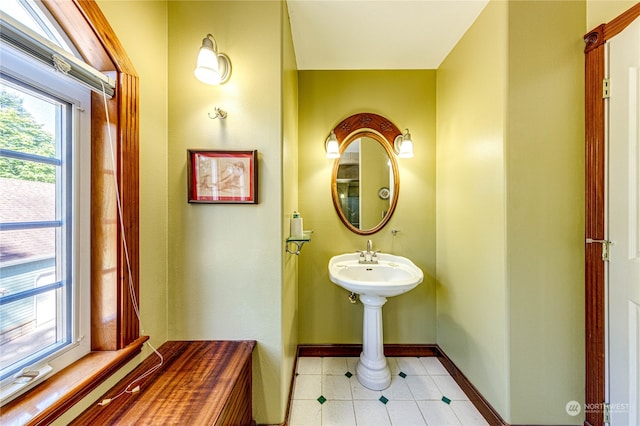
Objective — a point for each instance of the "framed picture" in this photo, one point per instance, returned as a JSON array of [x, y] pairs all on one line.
[[222, 176]]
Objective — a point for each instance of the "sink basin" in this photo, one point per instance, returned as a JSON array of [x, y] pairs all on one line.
[[391, 276]]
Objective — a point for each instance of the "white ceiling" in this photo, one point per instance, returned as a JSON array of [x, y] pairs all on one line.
[[378, 34]]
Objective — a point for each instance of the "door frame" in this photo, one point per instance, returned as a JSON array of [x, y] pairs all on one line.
[[595, 312]]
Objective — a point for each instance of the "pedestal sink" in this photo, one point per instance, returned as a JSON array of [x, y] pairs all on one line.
[[374, 282]]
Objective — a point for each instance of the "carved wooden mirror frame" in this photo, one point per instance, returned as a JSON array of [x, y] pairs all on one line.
[[383, 131]]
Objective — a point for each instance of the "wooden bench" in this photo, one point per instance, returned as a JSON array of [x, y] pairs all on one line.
[[199, 383]]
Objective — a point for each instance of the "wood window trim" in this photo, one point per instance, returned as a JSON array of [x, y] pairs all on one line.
[[114, 324], [53, 397], [594, 211], [115, 336]]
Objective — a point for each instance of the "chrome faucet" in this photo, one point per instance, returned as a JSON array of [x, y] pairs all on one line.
[[369, 256]]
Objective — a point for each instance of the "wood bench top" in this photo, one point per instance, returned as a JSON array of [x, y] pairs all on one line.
[[191, 388]]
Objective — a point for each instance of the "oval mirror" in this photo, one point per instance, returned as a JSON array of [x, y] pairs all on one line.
[[365, 181]]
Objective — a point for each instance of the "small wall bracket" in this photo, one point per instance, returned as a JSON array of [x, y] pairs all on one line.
[[298, 242], [218, 114]]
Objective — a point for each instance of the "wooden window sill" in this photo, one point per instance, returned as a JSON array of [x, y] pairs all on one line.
[[50, 399]]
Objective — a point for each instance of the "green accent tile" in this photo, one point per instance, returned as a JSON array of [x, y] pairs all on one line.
[[322, 399], [348, 374], [383, 399], [446, 400], [402, 375]]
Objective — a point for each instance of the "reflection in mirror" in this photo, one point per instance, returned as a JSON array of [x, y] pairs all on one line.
[[365, 182]]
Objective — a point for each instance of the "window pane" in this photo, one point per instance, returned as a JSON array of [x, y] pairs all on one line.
[[24, 246], [34, 237], [20, 196], [29, 328], [28, 124], [28, 13]]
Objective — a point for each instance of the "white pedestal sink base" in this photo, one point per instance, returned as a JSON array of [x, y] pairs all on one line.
[[372, 371], [374, 281]]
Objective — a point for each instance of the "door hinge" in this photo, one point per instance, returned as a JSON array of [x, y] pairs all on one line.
[[606, 247], [605, 88], [606, 413]]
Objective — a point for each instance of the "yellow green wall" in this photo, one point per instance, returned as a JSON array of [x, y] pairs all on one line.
[[511, 149], [229, 277], [471, 183], [408, 99], [289, 204], [603, 11], [545, 209]]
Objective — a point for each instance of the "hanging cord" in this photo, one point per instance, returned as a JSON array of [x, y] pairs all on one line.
[[132, 294]]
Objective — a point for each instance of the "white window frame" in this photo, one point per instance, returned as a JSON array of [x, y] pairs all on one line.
[[33, 73]]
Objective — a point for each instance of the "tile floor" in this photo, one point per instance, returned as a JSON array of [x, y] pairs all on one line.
[[327, 392]]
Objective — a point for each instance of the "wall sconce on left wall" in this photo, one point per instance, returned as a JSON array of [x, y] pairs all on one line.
[[212, 67]]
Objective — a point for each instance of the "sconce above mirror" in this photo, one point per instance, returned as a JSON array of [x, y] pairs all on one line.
[[365, 180]]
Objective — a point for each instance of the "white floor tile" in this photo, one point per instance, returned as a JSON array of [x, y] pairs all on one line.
[[433, 366], [413, 400], [371, 413], [336, 387], [437, 413], [305, 412], [393, 366], [449, 387], [352, 364], [309, 365], [423, 388], [398, 390], [360, 392], [411, 366], [405, 413], [468, 413], [334, 366], [338, 413], [307, 386]]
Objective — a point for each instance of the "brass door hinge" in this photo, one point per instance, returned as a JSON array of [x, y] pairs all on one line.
[[605, 88]]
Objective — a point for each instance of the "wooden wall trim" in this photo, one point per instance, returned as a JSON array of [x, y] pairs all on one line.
[[618, 24], [595, 146], [594, 39], [594, 228], [114, 321]]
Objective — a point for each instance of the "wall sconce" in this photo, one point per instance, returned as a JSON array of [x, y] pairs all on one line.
[[403, 146], [212, 67], [331, 146]]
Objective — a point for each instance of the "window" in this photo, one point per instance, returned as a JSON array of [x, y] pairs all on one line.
[[114, 325], [44, 222]]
